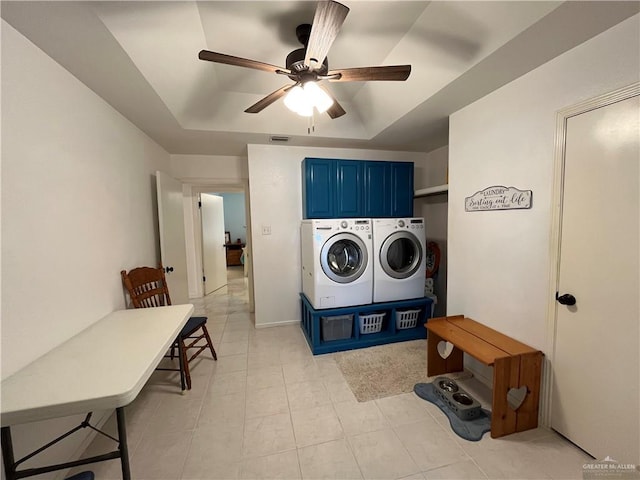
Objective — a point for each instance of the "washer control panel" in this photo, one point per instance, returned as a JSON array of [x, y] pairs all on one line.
[[410, 223]]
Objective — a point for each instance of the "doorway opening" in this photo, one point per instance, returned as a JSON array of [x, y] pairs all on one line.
[[211, 244]]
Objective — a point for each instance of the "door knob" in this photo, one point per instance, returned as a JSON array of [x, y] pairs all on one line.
[[169, 269], [566, 299]]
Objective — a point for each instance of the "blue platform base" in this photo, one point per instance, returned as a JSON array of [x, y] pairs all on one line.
[[311, 325]]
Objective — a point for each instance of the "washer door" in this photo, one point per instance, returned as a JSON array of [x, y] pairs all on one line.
[[344, 258], [401, 255]]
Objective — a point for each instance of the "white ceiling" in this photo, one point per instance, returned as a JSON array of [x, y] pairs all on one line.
[[142, 58]]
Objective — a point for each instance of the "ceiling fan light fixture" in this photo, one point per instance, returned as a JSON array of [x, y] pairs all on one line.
[[303, 99], [297, 101], [317, 96]]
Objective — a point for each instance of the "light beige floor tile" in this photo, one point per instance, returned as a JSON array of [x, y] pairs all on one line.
[[228, 383], [316, 425], [403, 409], [303, 371], [360, 417], [223, 409], [161, 457], [512, 460], [305, 395], [262, 402], [488, 444], [263, 358], [329, 369], [558, 458], [381, 455], [232, 363], [236, 336], [466, 469], [339, 391], [429, 445], [415, 476], [175, 413], [291, 354], [217, 443], [330, 460], [265, 376], [200, 469], [280, 466], [268, 435], [226, 349]]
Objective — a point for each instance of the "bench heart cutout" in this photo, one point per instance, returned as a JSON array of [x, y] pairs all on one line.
[[516, 396], [445, 348]]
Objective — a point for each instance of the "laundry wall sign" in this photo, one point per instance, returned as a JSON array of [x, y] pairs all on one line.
[[498, 198]]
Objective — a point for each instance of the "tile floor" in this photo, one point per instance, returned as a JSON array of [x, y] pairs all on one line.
[[269, 409]]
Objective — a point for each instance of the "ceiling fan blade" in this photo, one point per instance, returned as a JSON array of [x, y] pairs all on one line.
[[362, 74], [239, 62], [269, 99], [335, 110], [327, 21]]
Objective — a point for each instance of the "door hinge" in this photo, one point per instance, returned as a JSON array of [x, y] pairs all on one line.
[[199, 204], [204, 279]]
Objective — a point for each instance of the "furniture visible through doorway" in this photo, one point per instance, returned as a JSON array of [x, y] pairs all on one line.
[[147, 287], [234, 254], [515, 366]]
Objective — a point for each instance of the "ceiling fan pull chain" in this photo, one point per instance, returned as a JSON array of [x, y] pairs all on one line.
[[311, 127]]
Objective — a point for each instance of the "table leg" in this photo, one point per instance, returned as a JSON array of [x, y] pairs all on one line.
[[124, 449], [7, 454], [181, 358]]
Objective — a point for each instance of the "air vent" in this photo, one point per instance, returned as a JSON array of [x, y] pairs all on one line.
[[278, 139]]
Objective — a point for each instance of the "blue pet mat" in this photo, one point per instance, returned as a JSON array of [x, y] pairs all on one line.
[[471, 430]]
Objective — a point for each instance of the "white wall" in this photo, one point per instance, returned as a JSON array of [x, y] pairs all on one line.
[[499, 261], [224, 169], [78, 206], [275, 179], [235, 221], [431, 172]]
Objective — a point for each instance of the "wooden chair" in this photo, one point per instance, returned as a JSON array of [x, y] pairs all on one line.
[[147, 288]]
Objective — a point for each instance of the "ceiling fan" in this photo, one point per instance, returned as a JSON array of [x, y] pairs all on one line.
[[307, 66]]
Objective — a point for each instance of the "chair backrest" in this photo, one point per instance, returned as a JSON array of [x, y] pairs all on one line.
[[147, 287]]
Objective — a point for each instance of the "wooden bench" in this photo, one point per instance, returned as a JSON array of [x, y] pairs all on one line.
[[515, 365]]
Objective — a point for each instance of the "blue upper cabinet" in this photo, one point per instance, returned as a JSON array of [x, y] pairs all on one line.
[[348, 192], [402, 189], [377, 189], [318, 188], [354, 188]]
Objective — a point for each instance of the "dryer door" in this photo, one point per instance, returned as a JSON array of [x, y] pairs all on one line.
[[344, 258], [401, 255]]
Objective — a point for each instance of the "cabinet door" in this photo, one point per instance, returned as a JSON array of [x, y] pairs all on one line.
[[377, 189], [402, 189], [349, 181], [318, 187]]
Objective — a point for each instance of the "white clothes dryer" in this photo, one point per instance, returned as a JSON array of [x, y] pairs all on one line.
[[399, 265], [337, 268]]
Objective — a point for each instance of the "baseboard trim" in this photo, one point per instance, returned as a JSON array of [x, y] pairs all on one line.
[[277, 324]]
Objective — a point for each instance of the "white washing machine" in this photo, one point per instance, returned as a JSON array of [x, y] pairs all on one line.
[[399, 265], [337, 268]]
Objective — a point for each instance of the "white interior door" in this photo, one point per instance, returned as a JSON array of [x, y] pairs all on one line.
[[214, 259], [596, 368], [172, 236]]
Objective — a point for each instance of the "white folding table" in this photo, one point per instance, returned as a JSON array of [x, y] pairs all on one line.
[[103, 367]]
